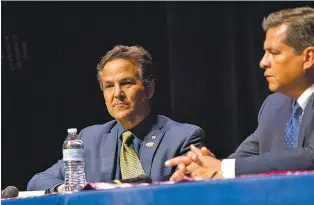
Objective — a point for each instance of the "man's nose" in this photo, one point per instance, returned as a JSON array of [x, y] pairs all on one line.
[[118, 92], [264, 63]]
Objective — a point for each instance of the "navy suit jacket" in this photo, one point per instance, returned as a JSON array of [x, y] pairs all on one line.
[[172, 139], [264, 151]]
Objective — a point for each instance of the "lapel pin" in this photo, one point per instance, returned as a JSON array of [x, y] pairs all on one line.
[[153, 137], [150, 144]]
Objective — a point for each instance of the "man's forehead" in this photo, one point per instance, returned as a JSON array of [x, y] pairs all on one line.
[[275, 36], [120, 66], [120, 63], [120, 76]]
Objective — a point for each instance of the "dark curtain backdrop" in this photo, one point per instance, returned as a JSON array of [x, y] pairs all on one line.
[[206, 54]]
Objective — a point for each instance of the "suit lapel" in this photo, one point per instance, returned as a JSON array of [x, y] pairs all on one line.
[[108, 155], [307, 122], [150, 145], [282, 116]]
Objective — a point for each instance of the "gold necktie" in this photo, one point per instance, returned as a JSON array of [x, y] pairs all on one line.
[[129, 162]]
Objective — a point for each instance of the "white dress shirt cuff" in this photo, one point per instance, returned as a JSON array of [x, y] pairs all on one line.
[[228, 168]]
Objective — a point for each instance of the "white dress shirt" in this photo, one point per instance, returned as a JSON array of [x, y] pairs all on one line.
[[228, 165]]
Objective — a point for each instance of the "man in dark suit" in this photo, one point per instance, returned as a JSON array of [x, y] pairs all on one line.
[[138, 141], [284, 138]]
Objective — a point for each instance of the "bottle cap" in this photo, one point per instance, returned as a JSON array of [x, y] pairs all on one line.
[[72, 130]]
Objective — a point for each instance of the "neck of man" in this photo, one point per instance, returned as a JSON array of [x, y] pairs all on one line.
[[299, 87], [133, 120]]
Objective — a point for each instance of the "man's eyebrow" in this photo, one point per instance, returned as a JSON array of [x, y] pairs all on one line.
[[267, 48], [121, 80], [107, 81], [128, 78]]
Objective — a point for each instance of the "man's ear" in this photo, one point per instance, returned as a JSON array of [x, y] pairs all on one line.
[[308, 58], [151, 89]]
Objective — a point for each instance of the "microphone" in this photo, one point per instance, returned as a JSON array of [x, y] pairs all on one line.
[[9, 192], [139, 179]]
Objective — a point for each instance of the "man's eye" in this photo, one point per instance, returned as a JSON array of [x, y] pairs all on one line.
[[127, 83], [274, 52], [108, 86]]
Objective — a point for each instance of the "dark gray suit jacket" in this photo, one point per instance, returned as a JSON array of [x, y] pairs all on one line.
[[172, 139], [264, 151]]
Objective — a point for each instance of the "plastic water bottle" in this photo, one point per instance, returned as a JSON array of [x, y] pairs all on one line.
[[74, 162]]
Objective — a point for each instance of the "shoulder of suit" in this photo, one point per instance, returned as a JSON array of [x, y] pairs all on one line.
[[95, 130], [278, 100], [168, 124], [279, 96]]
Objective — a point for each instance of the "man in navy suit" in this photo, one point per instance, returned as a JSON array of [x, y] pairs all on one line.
[[127, 79], [284, 138]]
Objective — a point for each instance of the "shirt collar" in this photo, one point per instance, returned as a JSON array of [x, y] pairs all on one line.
[[305, 97], [143, 128]]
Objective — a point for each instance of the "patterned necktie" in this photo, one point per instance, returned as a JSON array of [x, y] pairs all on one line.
[[293, 127], [129, 162]]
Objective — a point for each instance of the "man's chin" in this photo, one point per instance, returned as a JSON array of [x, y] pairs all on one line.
[[122, 115], [273, 88]]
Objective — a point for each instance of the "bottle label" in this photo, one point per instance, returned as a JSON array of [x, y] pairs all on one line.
[[73, 154]]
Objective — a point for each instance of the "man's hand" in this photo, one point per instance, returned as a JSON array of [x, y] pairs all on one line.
[[198, 162], [203, 151]]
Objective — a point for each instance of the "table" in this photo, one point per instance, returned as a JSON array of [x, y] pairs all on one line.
[[278, 189]]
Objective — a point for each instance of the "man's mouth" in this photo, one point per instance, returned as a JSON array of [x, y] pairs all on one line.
[[120, 104]]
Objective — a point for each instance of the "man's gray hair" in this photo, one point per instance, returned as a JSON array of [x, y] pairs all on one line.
[[136, 54], [300, 26]]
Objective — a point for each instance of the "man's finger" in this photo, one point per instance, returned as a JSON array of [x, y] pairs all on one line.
[[207, 152], [178, 160], [195, 149], [203, 173], [182, 167], [192, 167], [178, 175], [192, 156]]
